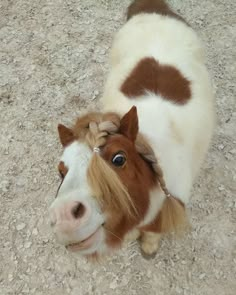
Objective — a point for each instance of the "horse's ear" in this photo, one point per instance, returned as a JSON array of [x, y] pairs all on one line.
[[66, 135], [129, 124]]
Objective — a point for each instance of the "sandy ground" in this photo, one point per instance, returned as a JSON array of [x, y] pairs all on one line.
[[53, 62]]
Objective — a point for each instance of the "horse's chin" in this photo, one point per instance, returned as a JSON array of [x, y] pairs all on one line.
[[89, 245]]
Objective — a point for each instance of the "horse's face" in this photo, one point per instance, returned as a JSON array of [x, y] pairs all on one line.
[[104, 191]]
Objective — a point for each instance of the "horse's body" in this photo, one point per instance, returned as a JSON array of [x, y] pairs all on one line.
[[157, 65]]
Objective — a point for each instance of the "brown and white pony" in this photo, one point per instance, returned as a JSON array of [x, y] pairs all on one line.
[[127, 171]]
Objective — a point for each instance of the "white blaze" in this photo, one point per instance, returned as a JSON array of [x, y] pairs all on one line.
[[75, 187]]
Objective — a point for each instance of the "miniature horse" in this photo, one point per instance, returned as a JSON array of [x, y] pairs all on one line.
[[127, 171]]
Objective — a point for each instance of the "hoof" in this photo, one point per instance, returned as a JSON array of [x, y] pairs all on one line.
[[147, 256]]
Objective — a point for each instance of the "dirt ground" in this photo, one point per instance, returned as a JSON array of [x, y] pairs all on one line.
[[53, 63]]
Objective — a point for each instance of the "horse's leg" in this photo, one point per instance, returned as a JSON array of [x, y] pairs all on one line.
[[150, 242], [132, 235]]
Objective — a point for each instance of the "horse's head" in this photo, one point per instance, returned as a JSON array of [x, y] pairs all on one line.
[[107, 177]]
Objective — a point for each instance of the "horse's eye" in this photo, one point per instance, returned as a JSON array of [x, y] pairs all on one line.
[[119, 160]]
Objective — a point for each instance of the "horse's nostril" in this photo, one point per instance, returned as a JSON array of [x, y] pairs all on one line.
[[78, 211]]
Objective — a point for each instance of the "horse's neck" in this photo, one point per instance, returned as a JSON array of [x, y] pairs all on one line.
[[158, 123]]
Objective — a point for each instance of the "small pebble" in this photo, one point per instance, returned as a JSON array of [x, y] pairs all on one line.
[[27, 245], [20, 226], [5, 185], [178, 290], [232, 152], [202, 276], [113, 285], [95, 94], [221, 188], [221, 147], [35, 231], [10, 277], [20, 182]]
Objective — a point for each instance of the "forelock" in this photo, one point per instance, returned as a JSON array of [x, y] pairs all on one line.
[[95, 127]]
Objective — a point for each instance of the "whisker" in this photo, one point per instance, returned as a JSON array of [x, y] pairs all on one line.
[[113, 234]]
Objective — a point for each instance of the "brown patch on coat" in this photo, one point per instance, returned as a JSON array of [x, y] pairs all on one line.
[[171, 218], [164, 80], [151, 6]]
